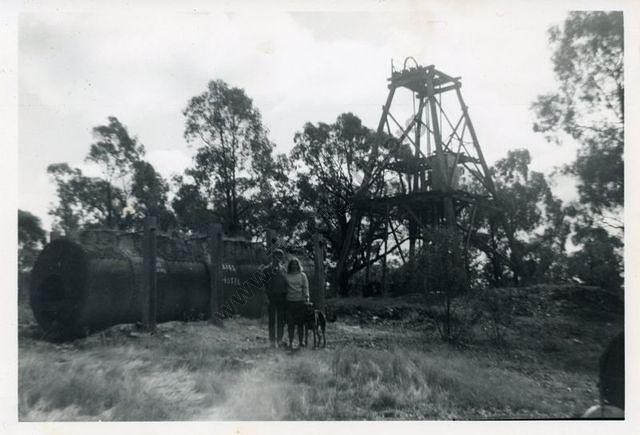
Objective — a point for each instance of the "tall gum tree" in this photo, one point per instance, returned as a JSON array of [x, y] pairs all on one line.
[[233, 163], [588, 61], [588, 106], [329, 158]]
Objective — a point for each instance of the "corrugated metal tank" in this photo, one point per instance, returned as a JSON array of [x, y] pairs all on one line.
[[90, 283]]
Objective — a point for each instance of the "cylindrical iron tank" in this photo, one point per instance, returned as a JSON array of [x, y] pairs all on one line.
[[84, 285]]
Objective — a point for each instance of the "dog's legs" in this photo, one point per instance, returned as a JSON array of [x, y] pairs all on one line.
[[324, 337], [315, 341], [316, 333]]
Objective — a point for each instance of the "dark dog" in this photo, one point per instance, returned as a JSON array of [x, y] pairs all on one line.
[[315, 321]]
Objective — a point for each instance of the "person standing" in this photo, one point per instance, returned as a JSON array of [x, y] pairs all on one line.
[[297, 298], [276, 293]]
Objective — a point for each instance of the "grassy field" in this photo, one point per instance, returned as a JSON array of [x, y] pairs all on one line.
[[373, 368]]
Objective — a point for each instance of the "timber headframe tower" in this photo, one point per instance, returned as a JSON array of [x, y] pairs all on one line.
[[434, 150]]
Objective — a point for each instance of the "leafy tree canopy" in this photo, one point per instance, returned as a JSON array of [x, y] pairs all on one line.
[[83, 201], [31, 237], [588, 62], [534, 213], [128, 189], [329, 158], [233, 164], [589, 104]]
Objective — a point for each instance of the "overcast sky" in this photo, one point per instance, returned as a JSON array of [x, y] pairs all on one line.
[[75, 70]]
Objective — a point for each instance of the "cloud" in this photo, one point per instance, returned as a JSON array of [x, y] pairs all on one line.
[[78, 69], [169, 162]]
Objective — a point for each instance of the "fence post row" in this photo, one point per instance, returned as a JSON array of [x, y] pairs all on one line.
[[215, 268], [149, 282]]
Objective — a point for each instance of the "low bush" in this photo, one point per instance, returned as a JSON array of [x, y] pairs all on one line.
[[496, 310]]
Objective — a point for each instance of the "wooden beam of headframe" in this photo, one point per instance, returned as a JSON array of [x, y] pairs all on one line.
[[398, 243], [416, 176], [415, 216], [455, 162], [426, 126], [489, 181], [414, 122], [385, 110], [476, 144], [455, 130], [388, 157], [477, 175], [395, 121], [390, 251], [447, 77], [474, 161], [441, 90], [415, 219], [425, 114], [440, 158]]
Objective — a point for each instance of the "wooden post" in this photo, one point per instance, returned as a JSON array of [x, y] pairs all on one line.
[[149, 288], [319, 276], [215, 270]]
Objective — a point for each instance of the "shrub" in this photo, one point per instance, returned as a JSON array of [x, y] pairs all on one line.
[[444, 277], [455, 321], [496, 307]]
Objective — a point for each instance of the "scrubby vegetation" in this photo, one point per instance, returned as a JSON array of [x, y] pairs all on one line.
[[384, 360]]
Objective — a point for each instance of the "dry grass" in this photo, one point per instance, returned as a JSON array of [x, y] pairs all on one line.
[[383, 362], [198, 372]]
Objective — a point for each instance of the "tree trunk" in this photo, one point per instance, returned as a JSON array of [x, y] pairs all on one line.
[[109, 207], [343, 284], [342, 277]]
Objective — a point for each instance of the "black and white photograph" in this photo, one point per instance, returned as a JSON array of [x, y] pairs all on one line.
[[358, 212]]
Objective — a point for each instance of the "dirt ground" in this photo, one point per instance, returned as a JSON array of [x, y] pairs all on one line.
[[383, 360]]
